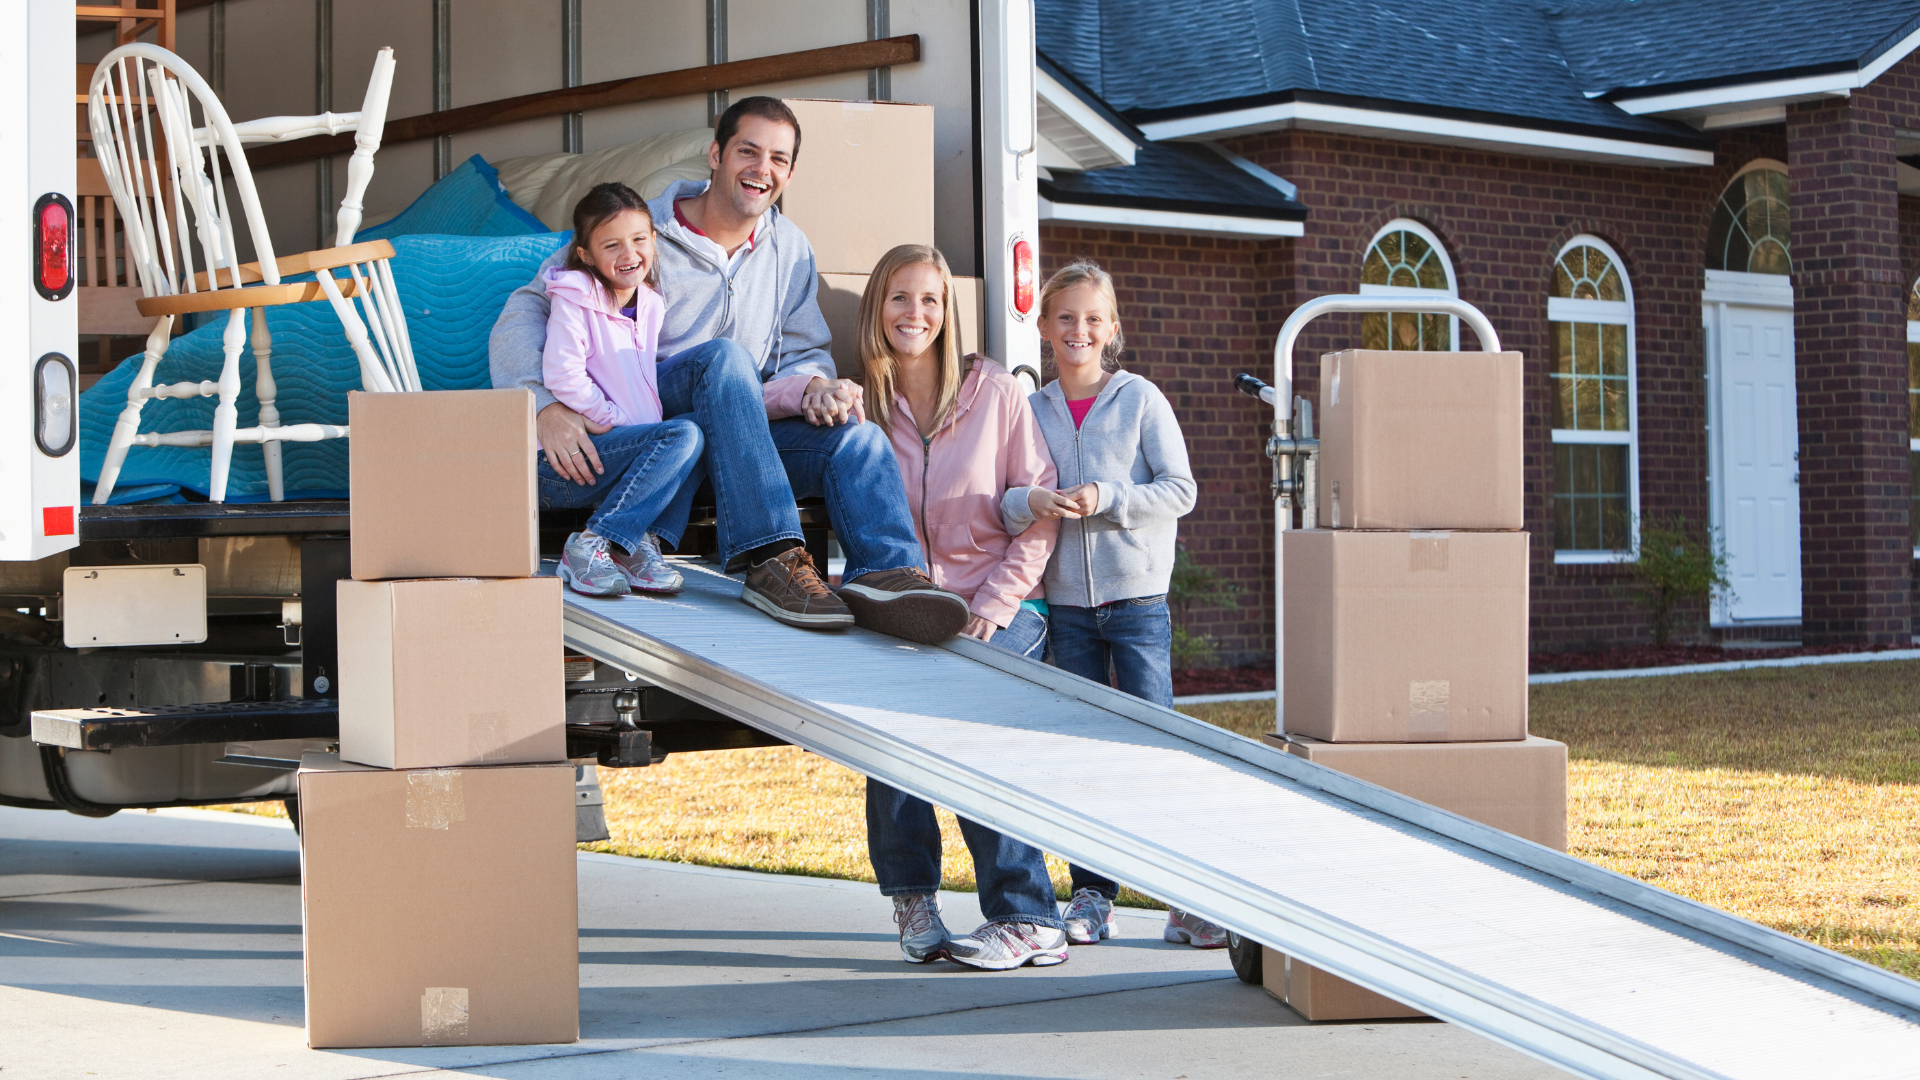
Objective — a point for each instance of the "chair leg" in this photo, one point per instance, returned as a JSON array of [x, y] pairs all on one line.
[[129, 423], [226, 415], [266, 391]]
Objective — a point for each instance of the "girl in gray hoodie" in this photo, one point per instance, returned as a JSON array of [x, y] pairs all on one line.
[[1124, 484]]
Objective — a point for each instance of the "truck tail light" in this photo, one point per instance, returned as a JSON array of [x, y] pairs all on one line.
[[54, 420], [1024, 275], [52, 246]]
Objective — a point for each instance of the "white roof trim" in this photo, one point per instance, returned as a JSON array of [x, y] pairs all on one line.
[[1238, 228], [1699, 104], [1068, 107], [1406, 127]]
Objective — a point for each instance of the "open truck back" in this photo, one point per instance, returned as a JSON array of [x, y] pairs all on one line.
[[175, 721]]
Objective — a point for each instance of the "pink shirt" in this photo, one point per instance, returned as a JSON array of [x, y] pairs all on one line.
[[598, 362], [1079, 409], [955, 481]]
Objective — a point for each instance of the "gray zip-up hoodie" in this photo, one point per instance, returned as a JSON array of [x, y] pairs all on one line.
[[769, 304], [1130, 446]]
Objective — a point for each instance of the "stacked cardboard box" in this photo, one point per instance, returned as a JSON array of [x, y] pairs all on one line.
[[437, 858], [1406, 618]]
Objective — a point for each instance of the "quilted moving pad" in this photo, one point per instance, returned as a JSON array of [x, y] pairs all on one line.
[[452, 289]]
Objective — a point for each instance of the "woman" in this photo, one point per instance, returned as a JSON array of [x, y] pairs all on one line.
[[964, 435]]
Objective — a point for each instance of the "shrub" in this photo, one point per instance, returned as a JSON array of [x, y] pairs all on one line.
[[1195, 586], [1676, 564]]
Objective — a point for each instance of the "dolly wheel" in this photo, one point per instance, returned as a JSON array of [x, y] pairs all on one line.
[[1247, 959]]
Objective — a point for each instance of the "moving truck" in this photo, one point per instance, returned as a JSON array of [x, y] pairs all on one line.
[[183, 653]]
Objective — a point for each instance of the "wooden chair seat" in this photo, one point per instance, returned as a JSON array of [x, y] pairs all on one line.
[[252, 296], [310, 262]]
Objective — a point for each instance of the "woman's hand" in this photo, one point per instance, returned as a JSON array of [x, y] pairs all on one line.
[[1084, 497], [1051, 504], [564, 439], [978, 627], [832, 401]]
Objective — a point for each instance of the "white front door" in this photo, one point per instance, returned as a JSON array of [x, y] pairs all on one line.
[[1758, 474]]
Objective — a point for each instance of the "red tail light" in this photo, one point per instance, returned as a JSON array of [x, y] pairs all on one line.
[[52, 246], [1024, 278]]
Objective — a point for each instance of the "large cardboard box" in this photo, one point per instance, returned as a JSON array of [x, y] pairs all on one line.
[[443, 484], [1520, 787], [451, 671], [1406, 636], [1421, 440], [863, 183], [840, 304], [439, 906]]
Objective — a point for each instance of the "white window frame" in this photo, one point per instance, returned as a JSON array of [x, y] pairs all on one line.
[[1446, 264], [1615, 313], [1913, 445]]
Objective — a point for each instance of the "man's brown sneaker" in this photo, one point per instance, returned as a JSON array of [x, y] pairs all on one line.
[[788, 588], [905, 604]]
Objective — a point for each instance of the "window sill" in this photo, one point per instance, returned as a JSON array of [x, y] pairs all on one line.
[[1599, 558]]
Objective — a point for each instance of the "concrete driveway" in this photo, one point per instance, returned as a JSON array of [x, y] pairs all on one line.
[[157, 945]]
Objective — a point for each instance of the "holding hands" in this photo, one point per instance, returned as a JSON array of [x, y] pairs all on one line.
[[1075, 502], [828, 402]]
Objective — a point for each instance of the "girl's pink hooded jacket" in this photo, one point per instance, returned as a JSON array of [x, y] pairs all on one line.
[[955, 480], [598, 362]]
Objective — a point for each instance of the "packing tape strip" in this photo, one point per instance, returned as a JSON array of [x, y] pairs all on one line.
[[443, 1015], [487, 736], [435, 800], [1429, 705], [1427, 550]]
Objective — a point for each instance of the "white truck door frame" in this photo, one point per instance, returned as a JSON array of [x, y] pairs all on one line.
[[1009, 183], [39, 322]]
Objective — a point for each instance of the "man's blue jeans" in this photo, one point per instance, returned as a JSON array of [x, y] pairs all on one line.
[[645, 487], [1128, 645], [758, 468], [903, 837]]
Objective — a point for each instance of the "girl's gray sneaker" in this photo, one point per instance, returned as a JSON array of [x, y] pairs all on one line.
[[922, 935], [647, 570], [1089, 918], [587, 566], [1003, 946]]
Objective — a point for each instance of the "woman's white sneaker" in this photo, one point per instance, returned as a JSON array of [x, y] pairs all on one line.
[[647, 570], [922, 934], [1186, 928], [1089, 918], [1003, 946]]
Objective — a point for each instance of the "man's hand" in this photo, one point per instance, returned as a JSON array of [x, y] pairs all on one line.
[[978, 627], [563, 438], [1084, 497], [1051, 504], [827, 402]]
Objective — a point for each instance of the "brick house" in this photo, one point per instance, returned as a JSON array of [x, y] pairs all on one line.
[[1694, 217]]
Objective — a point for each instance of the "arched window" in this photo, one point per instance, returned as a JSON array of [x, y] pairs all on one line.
[[1407, 259], [1595, 454], [1750, 232], [1913, 410]]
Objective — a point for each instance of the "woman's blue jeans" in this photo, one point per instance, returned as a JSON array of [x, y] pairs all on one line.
[[1127, 645], [647, 485], [903, 837]]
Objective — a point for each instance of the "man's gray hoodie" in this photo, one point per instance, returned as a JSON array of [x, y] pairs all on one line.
[[1130, 445], [768, 305]]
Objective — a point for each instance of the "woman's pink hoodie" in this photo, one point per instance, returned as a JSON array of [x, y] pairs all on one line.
[[955, 480], [598, 362]]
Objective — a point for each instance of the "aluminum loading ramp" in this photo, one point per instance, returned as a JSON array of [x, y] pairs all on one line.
[[1585, 969]]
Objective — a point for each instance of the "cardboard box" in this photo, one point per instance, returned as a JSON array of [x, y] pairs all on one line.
[[840, 304], [1520, 787], [451, 671], [443, 484], [1406, 636], [439, 906], [863, 182], [1421, 440]]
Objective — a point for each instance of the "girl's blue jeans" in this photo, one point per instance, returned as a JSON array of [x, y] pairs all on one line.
[[647, 485]]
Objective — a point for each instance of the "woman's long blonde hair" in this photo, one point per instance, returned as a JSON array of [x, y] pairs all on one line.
[[877, 360]]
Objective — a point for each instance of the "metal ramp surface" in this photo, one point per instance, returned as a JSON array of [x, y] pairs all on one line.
[[1585, 969]]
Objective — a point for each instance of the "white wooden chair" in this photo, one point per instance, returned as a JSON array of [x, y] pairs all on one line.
[[161, 135]]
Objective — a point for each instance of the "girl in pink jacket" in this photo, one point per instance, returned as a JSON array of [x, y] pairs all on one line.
[[964, 435], [599, 362]]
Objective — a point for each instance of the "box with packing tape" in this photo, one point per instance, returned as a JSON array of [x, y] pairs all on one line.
[[863, 181], [1519, 787], [1421, 440], [439, 906], [451, 671], [443, 484], [1405, 636]]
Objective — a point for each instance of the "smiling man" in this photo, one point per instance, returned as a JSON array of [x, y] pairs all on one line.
[[744, 350]]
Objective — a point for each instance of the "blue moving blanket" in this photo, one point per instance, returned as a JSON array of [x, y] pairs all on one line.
[[452, 289]]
